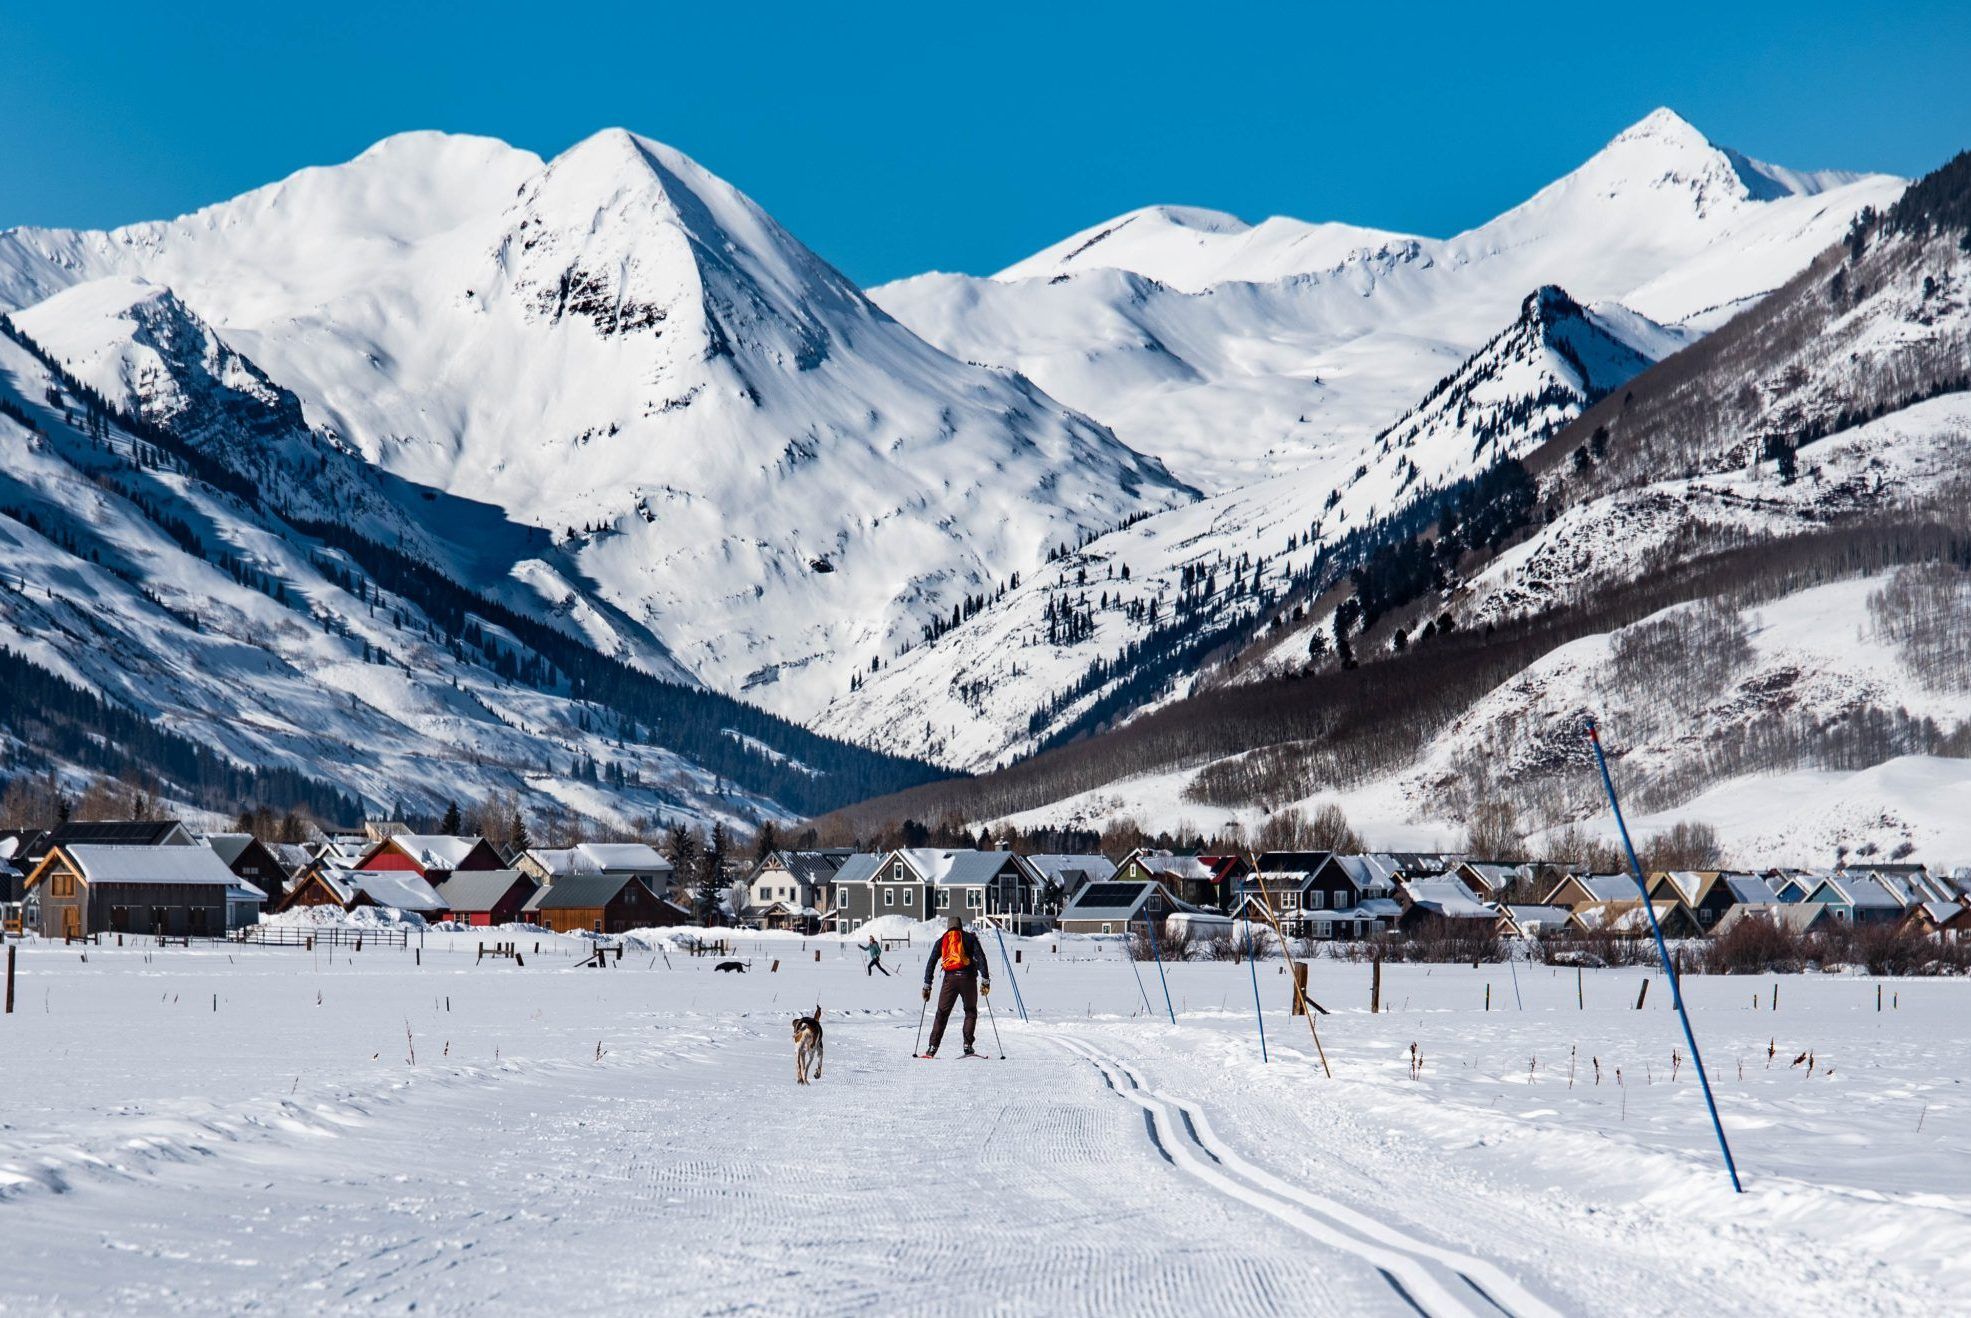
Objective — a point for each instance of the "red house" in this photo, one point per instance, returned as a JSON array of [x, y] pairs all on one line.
[[431, 856]]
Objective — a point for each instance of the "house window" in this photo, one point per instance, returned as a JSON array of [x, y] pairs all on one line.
[[896, 871], [889, 896], [1317, 899], [841, 898], [906, 897], [975, 898], [944, 898], [1106, 927], [1289, 900], [1322, 928]]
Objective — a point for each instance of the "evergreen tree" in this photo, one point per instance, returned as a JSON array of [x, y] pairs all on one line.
[[517, 835], [711, 877], [451, 823], [768, 841]]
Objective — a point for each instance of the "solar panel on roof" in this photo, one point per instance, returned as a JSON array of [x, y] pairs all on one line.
[[1109, 894]]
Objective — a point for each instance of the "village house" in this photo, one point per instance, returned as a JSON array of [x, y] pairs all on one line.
[[1320, 894], [1628, 918], [623, 860], [486, 897], [1208, 883], [848, 898], [433, 857], [1859, 899], [1060, 876], [251, 859], [601, 903], [1708, 894], [177, 890], [394, 890], [1793, 917], [1534, 921], [790, 889], [1578, 890], [1494, 880], [1441, 898], [1114, 906]]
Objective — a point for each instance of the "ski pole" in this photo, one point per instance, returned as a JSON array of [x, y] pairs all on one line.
[[917, 1049], [1663, 951], [995, 1028]]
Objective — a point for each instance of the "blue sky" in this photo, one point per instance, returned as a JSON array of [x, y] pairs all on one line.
[[899, 138]]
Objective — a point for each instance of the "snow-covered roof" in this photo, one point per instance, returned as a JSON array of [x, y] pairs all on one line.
[[167, 864], [859, 868], [398, 889], [1166, 865], [1750, 890], [1114, 901], [958, 868], [637, 856], [1446, 897], [435, 850], [1533, 917], [1052, 865], [477, 890], [242, 891], [581, 892]]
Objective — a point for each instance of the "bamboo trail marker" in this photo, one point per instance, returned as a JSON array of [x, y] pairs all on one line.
[[1300, 995], [1669, 964]]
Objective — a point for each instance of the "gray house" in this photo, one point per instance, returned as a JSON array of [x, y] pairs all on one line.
[[848, 898], [1112, 907], [87, 888]]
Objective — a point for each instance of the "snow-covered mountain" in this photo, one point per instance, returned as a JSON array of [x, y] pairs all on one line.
[[1747, 559], [271, 618], [1125, 619], [761, 470], [1232, 351]]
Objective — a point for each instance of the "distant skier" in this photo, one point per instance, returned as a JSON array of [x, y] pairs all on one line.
[[875, 951], [966, 975]]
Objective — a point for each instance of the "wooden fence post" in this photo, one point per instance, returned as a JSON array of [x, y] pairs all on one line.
[[1641, 994], [11, 949], [1375, 983], [1299, 989]]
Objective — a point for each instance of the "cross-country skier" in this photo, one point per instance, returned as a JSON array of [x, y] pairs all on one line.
[[966, 975], [874, 950]]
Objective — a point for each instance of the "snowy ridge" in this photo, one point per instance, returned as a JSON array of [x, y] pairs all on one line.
[[1202, 571], [622, 345], [1233, 352]]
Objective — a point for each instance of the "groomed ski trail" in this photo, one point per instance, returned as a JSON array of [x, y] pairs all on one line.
[[1415, 1268]]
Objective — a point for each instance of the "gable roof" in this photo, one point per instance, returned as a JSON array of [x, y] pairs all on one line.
[[809, 867], [122, 833], [583, 892], [440, 851], [1093, 868], [398, 889], [607, 856], [98, 863], [859, 868], [1447, 897], [956, 868], [1114, 901], [480, 890]]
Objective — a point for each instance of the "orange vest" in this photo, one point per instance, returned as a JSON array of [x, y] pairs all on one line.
[[951, 950]]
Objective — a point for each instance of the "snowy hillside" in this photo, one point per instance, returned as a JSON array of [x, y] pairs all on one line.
[[1119, 620], [1233, 351], [1747, 559], [759, 469], [221, 576]]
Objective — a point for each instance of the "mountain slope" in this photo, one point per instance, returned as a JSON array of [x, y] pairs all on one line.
[[1232, 351], [762, 471], [1749, 559], [173, 540], [1129, 616]]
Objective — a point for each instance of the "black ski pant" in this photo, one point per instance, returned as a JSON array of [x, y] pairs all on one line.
[[957, 984]]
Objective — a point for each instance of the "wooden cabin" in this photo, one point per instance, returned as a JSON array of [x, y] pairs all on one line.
[[600, 903], [487, 897], [87, 888]]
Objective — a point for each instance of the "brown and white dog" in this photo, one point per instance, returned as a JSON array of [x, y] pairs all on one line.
[[807, 1046]]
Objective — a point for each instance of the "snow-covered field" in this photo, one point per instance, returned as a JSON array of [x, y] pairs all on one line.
[[219, 1129]]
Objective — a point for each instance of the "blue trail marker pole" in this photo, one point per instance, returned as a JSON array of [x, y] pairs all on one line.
[[1150, 925], [1011, 977], [1252, 964], [1663, 951]]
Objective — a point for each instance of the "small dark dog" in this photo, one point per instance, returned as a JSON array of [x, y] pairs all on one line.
[[731, 967], [807, 1046]]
